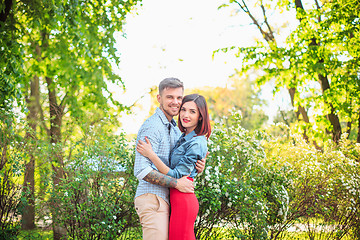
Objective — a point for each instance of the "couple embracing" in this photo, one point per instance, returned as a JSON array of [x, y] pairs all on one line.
[[167, 160]]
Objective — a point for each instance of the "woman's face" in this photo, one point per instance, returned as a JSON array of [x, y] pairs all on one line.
[[189, 116]]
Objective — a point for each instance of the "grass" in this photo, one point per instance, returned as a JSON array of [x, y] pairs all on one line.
[[41, 234], [38, 234]]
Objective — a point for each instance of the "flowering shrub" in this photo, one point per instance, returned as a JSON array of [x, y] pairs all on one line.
[[325, 185], [236, 191], [96, 195]]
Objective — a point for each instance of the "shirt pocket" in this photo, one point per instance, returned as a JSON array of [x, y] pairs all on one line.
[[176, 156]]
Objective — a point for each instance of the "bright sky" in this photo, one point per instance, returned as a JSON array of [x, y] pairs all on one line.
[[173, 38]]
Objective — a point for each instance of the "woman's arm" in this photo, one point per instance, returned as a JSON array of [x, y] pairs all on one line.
[[145, 149]]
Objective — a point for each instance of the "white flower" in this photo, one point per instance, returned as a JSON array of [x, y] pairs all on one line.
[[103, 222], [121, 180], [280, 213], [114, 217]]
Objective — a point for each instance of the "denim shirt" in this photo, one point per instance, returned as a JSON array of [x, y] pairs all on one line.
[[183, 157]]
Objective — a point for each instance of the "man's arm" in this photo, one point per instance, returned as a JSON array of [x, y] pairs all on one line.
[[182, 184], [143, 166]]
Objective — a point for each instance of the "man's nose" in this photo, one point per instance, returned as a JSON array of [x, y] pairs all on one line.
[[177, 101]]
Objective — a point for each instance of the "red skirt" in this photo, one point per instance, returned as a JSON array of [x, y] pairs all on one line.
[[184, 209]]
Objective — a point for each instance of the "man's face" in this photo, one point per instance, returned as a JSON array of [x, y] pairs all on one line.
[[170, 101]]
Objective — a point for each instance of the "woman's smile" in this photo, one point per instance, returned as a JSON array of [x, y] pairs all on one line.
[[186, 120]]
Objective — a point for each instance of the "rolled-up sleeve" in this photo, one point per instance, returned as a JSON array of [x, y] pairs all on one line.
[[143, 166], [187, 162]]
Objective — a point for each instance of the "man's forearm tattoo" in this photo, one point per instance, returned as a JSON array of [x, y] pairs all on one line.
[[158, 178]]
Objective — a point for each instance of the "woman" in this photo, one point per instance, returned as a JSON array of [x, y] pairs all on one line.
[[194, 123]]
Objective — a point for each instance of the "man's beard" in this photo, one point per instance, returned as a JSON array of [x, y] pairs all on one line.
[[167, 112]]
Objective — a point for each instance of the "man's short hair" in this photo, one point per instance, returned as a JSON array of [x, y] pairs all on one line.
[[170, 83]]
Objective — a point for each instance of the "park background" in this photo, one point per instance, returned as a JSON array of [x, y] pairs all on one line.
[[282, 82]]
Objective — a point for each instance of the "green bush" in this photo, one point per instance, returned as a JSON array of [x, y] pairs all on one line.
[[96, 195], [10, 170], [325, 185]]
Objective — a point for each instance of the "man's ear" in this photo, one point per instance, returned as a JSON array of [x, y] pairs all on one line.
[[158, 98]]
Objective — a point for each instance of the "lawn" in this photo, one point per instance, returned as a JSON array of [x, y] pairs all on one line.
[[40, 234]]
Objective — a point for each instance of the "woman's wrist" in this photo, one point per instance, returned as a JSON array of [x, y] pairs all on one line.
[[152, 155]]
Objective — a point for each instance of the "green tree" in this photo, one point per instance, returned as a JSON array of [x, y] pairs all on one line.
[[61, 53], [316, 62]]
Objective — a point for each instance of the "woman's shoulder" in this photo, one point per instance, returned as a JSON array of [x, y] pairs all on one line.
[[200, 138], [199, 141]]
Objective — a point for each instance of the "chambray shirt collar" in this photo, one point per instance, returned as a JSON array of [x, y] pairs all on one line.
[[190, 135], [164, 119], [185, 138]]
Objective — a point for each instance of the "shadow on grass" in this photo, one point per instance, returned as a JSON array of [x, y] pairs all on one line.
[[39, 234], [42, 234]]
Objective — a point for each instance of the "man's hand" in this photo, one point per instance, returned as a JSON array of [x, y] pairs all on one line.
[[185, 185], [200, 164]]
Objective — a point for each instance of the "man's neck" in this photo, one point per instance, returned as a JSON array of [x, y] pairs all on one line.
[[167, 115]]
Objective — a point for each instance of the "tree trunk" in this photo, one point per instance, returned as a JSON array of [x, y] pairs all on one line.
[[301, 110], [332, 117], [348, 129], [56, 157], [56, 114], [28, 216], [323, 79]]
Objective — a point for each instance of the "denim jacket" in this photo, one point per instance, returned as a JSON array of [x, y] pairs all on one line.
[[183, 157]]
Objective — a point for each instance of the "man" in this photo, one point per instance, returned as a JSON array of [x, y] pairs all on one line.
[[152, 194]]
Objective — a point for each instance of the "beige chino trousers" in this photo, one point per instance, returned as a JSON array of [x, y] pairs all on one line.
[[154, 217]]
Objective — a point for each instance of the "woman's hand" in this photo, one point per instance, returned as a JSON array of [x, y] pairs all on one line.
[[144, 148]]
